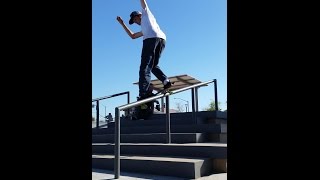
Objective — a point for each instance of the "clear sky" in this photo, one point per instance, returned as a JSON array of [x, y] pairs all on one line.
[[196, 45]]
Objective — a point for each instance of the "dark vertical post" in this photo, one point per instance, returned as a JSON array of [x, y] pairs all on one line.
[[97, 114], [162, 105], [216, 95], [168, 121], [117, 145], [193, 102], [196, 96], [128, 100]]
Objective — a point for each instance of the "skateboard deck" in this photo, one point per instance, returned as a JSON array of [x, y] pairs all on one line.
[[164, 91]]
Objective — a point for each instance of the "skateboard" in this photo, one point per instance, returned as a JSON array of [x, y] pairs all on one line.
[[164, 91], [140, 111]]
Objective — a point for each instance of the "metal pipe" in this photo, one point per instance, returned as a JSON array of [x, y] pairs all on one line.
[[193, 105], [137, 103], [114, 95], [97, 115], [168, 133], [162, 105], [216, 95], [196, 96], [128, 100], [117, 145], [106, 97], [133, 104]]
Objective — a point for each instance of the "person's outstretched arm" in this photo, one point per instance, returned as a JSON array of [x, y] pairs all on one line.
[[143, 4], [129, 32]]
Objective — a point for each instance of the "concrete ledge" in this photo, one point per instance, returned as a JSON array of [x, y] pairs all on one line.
[[151, 138], [100, 174], [210, 150], [198, 128], [167, 166]]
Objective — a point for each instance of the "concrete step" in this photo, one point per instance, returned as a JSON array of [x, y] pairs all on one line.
[[103, 174], [206, 114], [152, 138], [203, 117], [208, 150], [176, 118], [162, 122], [154, 122], [189, 168], [198, 128]]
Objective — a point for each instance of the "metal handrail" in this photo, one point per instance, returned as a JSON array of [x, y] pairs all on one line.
[[106, 97], [137, 103], [114, 95]]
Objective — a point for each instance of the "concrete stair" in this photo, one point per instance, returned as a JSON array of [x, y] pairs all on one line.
[[169, 166], [189, 161], [198, 148], [203, 117], [194, 128], [212, 150], [150, 138]]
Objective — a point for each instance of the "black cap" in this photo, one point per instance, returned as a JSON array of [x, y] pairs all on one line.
[[132, 15]]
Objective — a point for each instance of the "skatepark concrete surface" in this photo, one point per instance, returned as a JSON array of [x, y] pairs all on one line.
[[98, 174]]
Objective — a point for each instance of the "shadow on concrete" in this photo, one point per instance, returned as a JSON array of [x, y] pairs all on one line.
[[109, 175]]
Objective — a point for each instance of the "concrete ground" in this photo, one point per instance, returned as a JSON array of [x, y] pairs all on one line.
[[98, 174]]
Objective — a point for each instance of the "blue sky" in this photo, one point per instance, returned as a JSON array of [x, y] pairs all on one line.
[[196, 45]]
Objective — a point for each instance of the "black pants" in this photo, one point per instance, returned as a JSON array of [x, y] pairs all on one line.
[[151, 52]]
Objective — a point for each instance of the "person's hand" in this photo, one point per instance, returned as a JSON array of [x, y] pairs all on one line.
[[119, 19]]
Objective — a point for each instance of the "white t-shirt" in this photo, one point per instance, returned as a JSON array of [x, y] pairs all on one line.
[[149, 25]]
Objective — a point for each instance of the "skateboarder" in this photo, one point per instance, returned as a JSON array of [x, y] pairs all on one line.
[[154, 41]]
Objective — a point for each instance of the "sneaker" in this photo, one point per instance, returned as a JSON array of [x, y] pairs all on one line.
[[167, 86]]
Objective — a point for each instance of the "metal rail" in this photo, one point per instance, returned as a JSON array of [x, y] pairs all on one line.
[[107, 97], [137, 103]]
